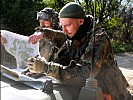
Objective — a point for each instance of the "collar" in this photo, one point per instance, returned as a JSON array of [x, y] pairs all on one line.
[[83, 29]]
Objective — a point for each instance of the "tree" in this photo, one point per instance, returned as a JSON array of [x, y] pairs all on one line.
[[127, 22], [116, 19], [57, 4], [104, 8], [19, 15]]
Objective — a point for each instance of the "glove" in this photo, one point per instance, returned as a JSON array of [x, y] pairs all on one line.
[[53, 68], [37, 65]]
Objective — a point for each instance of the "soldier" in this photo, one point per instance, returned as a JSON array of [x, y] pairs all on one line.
[[48, 18], [72, 63]]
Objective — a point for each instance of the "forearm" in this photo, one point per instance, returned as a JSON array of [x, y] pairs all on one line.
[[55, 36]]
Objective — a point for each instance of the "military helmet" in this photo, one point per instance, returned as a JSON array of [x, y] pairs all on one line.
[[50, 15]]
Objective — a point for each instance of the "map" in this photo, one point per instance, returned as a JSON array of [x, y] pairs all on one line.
[[18, 46]]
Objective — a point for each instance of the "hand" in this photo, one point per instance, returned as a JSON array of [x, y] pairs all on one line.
[[3, 40], [37, 65], [35, 37]]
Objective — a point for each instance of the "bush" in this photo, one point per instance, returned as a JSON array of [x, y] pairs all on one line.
[[119, 47]]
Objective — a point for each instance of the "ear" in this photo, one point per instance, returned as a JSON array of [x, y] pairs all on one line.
[[81, 21]]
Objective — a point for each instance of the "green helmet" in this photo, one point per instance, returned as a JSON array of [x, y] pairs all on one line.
[[72, 10], [49, 14]]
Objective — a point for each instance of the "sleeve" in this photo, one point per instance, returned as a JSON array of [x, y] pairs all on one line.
[[81, 69], [102, 52], [108, 75], [55, 36]]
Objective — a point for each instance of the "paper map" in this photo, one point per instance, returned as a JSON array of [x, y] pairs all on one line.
[[18, 46]]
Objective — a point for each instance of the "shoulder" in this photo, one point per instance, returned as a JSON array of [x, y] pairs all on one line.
[[101, 38], [100, 31], [53, 33], [101, 34]]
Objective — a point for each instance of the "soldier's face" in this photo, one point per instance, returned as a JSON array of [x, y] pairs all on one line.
[[45, 24], [70, 25]]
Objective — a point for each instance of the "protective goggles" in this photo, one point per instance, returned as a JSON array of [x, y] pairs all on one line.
[[43, 16]]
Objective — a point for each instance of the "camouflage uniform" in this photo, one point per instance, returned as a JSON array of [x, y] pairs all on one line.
[[51, 43], [46, 47], [79, 50]]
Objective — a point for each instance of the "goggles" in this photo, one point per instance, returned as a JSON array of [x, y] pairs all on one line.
[[43, 16]]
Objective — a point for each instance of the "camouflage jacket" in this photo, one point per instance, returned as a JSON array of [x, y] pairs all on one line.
[[108, 75], [50, 44]]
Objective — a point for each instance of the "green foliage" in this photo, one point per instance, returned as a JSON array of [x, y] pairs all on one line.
[[110, 23], [119, 47], [39, 5], [104, 8], [19, 15], [57, 4]]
